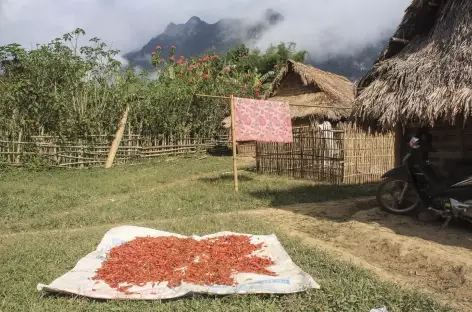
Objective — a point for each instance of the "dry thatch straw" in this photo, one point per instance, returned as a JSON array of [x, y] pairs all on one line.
[[424, 73], [323, 95]]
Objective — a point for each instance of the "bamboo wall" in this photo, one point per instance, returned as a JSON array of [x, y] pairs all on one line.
[[93, 151], [367, 156], [345, 155]]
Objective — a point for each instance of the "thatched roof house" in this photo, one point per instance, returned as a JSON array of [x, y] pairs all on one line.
[[424, 74], [323, 95]]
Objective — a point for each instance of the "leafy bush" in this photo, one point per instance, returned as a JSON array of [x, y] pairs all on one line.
[[62, 90]]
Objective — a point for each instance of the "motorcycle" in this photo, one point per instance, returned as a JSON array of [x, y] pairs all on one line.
[[419, 187]]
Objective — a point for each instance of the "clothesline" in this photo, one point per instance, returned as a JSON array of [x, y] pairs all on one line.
[[214, 96], [298, 105]]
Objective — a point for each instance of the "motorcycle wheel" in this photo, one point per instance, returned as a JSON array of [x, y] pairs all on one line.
[[410, 203]]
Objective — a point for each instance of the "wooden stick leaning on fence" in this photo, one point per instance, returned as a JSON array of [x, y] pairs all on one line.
[[116, 141]]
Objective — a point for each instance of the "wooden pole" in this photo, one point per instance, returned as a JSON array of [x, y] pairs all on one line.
[[399, 144], [460, 127], [116, 141], [233, 139]]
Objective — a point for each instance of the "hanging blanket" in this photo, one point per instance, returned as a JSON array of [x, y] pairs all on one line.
[[263, 121]]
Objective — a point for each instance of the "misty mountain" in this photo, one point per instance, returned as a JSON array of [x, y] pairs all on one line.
[[197, 37], [352, 67]]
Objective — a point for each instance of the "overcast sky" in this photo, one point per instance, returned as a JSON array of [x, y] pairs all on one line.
[[320, 26]]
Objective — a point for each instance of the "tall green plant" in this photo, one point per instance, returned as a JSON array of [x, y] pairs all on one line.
[[70, 91], [60, 89]]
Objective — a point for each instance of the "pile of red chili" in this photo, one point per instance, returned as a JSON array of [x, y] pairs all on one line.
[[176, 260]]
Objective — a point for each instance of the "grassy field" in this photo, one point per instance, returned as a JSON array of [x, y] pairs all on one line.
[[49, 220]]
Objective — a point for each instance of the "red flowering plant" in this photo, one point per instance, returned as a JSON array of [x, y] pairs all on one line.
[[171, 107], [180, 78], [210, 74]]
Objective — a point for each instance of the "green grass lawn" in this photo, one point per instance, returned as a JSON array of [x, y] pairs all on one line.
[[49, 220]]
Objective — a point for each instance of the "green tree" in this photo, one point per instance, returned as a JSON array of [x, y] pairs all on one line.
[[63, 90]]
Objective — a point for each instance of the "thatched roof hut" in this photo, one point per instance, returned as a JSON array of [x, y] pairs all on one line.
[[323, 95], [424, 74]]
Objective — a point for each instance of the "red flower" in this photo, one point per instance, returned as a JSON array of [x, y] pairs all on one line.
[[153, 53], [206, 58], [158, 47], [171, 59], [180, 61], [206, 76], [276, 66], [182, 57], [244, 57], [259, 84], [190, 68], [248, 76], [227, 68], [199, 59], [173, 47], [161, 60]]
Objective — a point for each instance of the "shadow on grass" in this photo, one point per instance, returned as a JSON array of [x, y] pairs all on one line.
[[225, 178], [220, 150], [342, 203], [315, 194]]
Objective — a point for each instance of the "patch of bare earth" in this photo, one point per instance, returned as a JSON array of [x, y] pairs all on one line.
[[401, 249]]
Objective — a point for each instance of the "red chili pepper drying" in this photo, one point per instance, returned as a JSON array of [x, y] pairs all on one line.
[[176, 260]]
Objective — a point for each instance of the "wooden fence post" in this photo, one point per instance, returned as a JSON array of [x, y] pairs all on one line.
[[399, 145], [233, 143], [116, 141]]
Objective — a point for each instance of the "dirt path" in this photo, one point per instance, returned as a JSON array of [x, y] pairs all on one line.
[[399, 249]]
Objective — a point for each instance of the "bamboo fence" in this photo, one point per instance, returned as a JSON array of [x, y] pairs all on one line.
[[340, 156], [246, 149], [93, 150]]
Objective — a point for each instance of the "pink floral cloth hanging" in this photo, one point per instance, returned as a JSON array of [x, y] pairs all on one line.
[[263, 121]]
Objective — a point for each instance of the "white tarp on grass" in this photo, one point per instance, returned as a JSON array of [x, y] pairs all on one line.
[[290, 278]]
